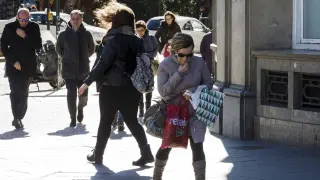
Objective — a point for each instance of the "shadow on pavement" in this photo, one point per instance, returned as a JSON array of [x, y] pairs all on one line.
[[119, 135], [14, 134], [261, 160], [80, 129], [131, 174]]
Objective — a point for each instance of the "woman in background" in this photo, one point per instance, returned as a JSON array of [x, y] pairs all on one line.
[[168, 28]]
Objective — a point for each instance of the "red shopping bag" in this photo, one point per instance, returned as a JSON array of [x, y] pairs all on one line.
[[176, 129], [166, 52]]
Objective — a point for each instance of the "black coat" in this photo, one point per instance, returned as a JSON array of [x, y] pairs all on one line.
[[22, 50], [118, 59], [75, 48], [165, 33]]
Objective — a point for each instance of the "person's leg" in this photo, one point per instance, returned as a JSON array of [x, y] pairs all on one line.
[[160, 163], [108, 109], [199, 161], [83, 101], [141, 106], [23, 106], [19, 90], [128, 108], [72, 100], [148, 100], [115, 121], [120, 122]]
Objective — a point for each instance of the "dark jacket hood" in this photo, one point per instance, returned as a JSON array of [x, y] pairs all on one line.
[[81, 28], [125, 30]]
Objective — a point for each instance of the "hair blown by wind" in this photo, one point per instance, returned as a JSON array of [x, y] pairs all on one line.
[[106, 14]]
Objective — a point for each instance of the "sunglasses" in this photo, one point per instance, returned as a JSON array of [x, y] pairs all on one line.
[[181, 55], [24, 19]]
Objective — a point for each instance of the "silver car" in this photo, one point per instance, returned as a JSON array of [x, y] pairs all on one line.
[[188, 25]]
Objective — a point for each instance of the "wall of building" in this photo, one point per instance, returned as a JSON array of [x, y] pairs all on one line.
[[286, 80]]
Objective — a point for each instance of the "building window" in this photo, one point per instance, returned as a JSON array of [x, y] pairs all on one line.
[[306, 26], [274, 88], [307, 91]]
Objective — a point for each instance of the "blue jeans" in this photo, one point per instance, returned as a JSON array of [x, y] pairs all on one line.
[[119, 118]]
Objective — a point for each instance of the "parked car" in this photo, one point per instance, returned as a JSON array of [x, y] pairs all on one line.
[[41, 18], [188, 25]]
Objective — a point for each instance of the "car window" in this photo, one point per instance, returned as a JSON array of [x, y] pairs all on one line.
[[197, 26], [42, 19], [154, 24], [187, 26]]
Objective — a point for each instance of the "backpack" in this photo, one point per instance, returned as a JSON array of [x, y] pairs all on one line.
[[142, 77]]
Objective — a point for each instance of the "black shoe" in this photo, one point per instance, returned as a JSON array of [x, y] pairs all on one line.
[[120, 128], [73, 122], [146, 156], [80, 115], [94, 158], [17, 124], [120, 125]]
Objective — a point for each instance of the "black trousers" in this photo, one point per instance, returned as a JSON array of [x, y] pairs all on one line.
[[126, 100], [197, 152], [148, 101], [19, 87], [72, 88]]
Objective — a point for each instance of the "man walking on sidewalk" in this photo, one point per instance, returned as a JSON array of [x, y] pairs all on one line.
[[19, 41], [75, 45]]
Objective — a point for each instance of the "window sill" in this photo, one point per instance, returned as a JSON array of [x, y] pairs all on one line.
[[288, 54]]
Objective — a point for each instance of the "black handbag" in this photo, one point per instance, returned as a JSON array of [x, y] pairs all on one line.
[[154, 119]]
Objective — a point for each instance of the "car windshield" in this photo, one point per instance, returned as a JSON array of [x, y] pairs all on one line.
[[42, 18], [154, 24]]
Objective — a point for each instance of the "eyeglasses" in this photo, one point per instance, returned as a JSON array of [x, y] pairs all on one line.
[[24, 19], [181, 55]]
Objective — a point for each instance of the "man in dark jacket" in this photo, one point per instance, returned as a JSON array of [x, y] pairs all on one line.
[[151, 48], [75, 45], [19, 41]]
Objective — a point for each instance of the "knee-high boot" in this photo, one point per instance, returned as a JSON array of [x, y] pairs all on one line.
[[199, 168], [158, 169]]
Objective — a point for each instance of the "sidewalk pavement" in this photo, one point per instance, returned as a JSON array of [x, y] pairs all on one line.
[[48, 150]]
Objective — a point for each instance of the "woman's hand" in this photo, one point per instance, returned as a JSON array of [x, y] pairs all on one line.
[[183, 68], [187, 97], [82, 89]]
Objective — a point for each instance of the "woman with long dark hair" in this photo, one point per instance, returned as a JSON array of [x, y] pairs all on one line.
[[117, 91], [168, 28]]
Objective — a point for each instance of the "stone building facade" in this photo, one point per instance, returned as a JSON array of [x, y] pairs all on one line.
[[268, 65]]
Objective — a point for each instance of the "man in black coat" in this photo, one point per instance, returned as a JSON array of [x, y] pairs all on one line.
[[19, 41], [75, 45]]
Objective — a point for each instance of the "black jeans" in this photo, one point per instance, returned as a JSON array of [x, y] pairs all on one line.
[[126, 100], [197, 152], [148, 101], [72, 88], [19, 87]]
